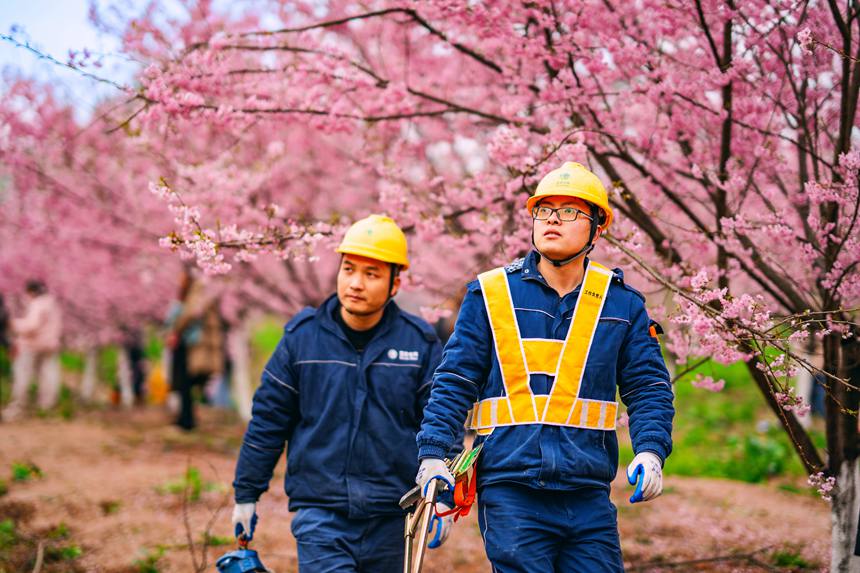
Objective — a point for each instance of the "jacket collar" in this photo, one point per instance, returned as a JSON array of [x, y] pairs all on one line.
[[326, 309]]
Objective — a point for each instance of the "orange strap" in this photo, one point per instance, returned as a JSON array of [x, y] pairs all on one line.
[[464, 495]]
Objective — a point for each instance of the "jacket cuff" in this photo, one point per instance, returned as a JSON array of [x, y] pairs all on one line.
[[432, 451], [657, 448], [246, 495]]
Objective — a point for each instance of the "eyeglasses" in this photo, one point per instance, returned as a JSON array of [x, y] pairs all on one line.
[[566, 214]]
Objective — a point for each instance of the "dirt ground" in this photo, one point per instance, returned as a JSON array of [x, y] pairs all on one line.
[[115, 480]]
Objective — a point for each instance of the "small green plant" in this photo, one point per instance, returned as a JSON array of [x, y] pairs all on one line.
[[109, 506], [215, 540], [23, 471], [66, 405], [757, 458], [192, 483], [790, 558], [7, 533], [72, 361], [4, 488], [149, 562], [60, 531], [63, 553]]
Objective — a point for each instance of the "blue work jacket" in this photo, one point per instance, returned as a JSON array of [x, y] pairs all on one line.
[[350, 417], [624, 356]]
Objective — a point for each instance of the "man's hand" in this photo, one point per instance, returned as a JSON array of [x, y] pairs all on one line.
[[652, 476], [244, 519], [432, 468]]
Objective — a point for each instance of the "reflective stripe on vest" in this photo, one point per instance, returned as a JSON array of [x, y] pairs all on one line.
[[519, 357]]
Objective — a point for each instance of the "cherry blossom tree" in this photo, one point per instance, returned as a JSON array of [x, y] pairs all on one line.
[[727, 132], [72, 216]]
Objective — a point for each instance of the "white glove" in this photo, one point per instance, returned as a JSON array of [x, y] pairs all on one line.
[[430, 468], [446, 523], [242, 514], [652, 480]]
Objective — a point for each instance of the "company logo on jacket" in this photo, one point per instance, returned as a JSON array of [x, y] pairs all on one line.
[[411, 355]]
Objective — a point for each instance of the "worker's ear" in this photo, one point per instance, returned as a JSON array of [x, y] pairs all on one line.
[[395, 284]]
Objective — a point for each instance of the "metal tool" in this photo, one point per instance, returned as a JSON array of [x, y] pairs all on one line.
[[423, 507], [417, 524]]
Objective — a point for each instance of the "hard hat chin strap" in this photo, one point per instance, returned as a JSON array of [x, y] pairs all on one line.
[[560, 263], [595, 224]]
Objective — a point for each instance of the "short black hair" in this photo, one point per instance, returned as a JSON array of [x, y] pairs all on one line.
[[35, 286]]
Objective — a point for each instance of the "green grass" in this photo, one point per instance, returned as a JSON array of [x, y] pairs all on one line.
[[66, 403], [24, 471], [109, 506], [63, 553], [60, 531], [153, 346], [107, 366], [265, 337], [8, 536], [149, 562], [790, 558], [217, 541], [72, 361], [730, 434]]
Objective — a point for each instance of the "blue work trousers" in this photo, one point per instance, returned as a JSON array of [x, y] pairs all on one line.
[[329, 541], [529, 530]]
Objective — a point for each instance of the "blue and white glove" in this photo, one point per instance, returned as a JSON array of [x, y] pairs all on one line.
[[433, 468], [244, 519], [646, 473], [440, 527]]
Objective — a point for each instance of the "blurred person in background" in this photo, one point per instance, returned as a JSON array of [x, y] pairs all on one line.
[[132, 345], [37, 336], [196, 338]]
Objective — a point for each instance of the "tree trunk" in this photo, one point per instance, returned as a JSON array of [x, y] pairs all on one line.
[[238, 347], [123, 375], [88, 385], [842, 404], [843, 518]]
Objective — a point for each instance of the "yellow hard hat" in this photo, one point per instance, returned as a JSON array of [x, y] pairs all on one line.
[[376, 237], [573, 180]]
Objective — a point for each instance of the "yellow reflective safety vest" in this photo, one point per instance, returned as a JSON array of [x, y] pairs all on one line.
[[565, 360]]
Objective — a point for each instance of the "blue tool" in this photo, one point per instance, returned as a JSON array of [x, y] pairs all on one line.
[[243, 560], [636, 479], [240, 561]]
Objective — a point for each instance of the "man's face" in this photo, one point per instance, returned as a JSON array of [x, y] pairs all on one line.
[[559, 239], [362, 284]]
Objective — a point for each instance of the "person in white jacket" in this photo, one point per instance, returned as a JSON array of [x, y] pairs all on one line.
[[36, 336]]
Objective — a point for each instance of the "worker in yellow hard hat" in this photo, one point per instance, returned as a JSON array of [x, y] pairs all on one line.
[[345, 388], [583, 196], [538, 353]]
